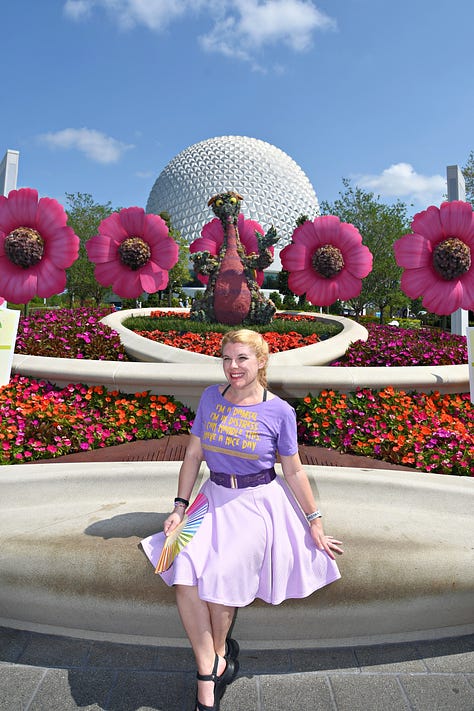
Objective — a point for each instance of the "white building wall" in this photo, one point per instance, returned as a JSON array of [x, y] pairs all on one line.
[[9, 171]]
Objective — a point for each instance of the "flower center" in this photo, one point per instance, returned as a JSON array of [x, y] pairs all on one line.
[[451, 258], [328, 261], [24, 247], [134, 252]]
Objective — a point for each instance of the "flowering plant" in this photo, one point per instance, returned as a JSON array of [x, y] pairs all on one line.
[[326, 260], [438, 258], [36, 246], [133, 252]]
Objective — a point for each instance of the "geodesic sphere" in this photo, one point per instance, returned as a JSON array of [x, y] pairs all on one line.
[[275, 189]]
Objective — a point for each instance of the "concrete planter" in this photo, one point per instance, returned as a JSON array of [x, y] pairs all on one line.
[[292, 374], [323, 353], [69, 561]]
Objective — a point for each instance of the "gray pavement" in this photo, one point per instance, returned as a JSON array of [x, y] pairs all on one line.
[[41, 672]]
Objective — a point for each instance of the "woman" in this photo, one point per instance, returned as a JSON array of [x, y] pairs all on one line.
[[258, 539]]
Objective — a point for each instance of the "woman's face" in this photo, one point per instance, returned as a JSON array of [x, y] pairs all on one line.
[[241, 365]]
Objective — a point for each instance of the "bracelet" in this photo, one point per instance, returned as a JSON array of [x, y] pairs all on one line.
[[179, 500], [313, 516]]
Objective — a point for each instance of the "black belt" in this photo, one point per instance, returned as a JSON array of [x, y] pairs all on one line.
[[242, 481]]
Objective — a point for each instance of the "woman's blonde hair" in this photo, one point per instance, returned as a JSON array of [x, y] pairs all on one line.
[[257, 342]]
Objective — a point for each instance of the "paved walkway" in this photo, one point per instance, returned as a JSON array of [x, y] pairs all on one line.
[[40, 672], [46, 673]]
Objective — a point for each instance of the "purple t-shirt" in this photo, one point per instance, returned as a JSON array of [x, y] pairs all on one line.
[[244, 439]]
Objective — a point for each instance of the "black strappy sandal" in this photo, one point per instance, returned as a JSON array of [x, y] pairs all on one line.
[[220, 683], [232, 649]]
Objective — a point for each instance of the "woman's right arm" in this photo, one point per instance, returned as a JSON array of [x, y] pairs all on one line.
[[187, 477]]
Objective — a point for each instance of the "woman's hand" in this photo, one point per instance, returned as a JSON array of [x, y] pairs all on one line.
[[323, 542], [173, 520]]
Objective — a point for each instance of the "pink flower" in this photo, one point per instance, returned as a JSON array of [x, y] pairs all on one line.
[[36, 246], [213, 237], [133, 252], [326, 260], [438, 258]]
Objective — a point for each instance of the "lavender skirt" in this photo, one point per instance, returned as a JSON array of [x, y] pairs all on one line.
[[252, 543]]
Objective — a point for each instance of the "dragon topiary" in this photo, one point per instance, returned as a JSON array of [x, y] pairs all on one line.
[[232, 295]]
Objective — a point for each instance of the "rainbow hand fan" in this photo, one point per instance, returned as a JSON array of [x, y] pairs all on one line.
[[183, 533]]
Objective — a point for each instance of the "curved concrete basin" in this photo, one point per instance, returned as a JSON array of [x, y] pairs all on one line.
[[69, 561], [323, 353], [161, 369]]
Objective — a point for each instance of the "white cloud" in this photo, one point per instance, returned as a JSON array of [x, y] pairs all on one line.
[[402, 181], [78, 9], [154, 14], [288, 21], [94, 144], [238, 26]]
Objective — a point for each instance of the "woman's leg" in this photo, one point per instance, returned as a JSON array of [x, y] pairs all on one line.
[[222, 617], [200, 619]]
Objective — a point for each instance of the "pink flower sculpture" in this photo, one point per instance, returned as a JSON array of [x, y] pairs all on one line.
[[133, 252], [213, 237], [326, 261], [438, 258], [36, 246]]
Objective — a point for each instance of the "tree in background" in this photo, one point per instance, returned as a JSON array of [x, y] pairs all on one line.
[[468, 172], [380, 225], [85, 216]]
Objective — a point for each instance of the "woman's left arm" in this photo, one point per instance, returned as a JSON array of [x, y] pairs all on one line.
[[298, 482]]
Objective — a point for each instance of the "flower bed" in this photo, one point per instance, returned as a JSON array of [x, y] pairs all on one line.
[[180, 332], [69, 333], [392, 346], [40, 421], [434, 433], [428, 432], [210, 343]]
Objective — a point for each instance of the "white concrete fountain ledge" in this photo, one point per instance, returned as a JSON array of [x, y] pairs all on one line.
[[70, 562], [172, 371]]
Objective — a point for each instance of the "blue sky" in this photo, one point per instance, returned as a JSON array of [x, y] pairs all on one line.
[[99, 95]]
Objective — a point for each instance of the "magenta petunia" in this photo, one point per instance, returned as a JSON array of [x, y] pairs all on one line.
[[36, 246], [213, 237], [438, 258], [133, 252], [326, 260]]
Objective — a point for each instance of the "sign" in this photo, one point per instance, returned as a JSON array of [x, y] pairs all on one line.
[[8, 327], [470, 357]]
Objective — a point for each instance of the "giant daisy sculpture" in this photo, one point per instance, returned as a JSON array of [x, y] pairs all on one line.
[[437, 258], [133, 252], [36, 246], [326, 260], [212, 237]]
